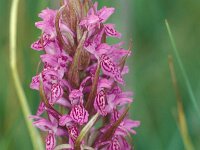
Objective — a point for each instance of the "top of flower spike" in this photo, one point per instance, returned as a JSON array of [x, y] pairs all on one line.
[[96, 17]]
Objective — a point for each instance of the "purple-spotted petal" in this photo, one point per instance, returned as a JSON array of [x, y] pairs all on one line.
[[41, 43], [79, 114], [37, 45], [56, 93], [50, 141], [100, 103], [110, 69], [119, 143], [115, 144], [118, 76], [41, 109], [110, 31], [62, 61], [107, 65], [73, 132]]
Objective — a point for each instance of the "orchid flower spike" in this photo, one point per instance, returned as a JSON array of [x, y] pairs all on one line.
[[81, 80]]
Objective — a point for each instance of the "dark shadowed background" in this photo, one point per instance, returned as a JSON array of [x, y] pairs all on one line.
[[155, 105]]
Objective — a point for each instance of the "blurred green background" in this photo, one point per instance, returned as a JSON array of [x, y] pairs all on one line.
[[155, 102]]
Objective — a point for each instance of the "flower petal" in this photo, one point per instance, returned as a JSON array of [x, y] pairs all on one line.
[[100, 103], [110, 69], [105, 13], [35, 83], [73, 132], [76, 97], [56, 93], [50, 141], [65, 120], [110, 31], [41, 109], [79, 114]]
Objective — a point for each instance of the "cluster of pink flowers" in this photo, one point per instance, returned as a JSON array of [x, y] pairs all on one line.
[[82, 75]]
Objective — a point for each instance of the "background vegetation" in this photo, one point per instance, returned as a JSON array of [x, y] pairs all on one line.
[[155, 102]]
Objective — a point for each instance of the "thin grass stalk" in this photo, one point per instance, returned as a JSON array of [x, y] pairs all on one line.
[[187, 82], [181, 114], [35, 137]]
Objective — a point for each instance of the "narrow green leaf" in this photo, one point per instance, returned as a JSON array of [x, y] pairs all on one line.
[[84, 131], [181, 115], [187, 82]]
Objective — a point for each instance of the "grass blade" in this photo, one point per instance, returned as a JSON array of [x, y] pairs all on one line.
[[187, 82], [35, 137], [181, 115]]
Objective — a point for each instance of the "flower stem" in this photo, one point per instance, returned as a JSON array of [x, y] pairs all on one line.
[[35, 137]]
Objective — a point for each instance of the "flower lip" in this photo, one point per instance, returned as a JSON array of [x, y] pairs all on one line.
[[79, 114], [101, 102]]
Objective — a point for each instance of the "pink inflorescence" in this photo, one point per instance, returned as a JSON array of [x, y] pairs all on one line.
[[82, 75]]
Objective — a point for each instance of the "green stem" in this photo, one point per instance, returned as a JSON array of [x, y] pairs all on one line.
[[187, 82], [35, 137]]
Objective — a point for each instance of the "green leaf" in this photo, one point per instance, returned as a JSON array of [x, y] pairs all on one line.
[[84, 131]]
